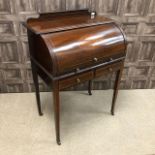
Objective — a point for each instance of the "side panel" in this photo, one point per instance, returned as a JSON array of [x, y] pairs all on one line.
[[42, 54], [39, 51]]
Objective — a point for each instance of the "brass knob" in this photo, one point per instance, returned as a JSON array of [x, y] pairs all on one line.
[[110, 69], [111, 59], [77, 69], [95, 59], [78, 80]]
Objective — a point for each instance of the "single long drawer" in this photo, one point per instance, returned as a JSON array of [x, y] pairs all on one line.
[[109, 68], [76, 79]]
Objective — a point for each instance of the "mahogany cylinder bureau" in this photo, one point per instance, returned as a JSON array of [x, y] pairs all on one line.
[[68, 48]]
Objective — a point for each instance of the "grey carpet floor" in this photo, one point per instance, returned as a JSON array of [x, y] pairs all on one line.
[[87, 128]]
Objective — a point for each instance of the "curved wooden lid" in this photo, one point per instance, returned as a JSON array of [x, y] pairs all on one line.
[[83, 47]]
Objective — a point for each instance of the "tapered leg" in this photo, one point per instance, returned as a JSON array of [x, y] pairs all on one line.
[[56, 103], [35, 79], [116, 86], [90, 87]]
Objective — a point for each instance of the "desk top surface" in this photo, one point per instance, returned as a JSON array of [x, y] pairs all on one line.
[[54, 22]]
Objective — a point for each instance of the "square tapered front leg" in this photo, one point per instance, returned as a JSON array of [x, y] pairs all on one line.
[[56, 104], [116, 87], [90, 87]]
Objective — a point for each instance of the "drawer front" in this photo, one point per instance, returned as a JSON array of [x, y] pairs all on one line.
[[77, 79], [109, 68]]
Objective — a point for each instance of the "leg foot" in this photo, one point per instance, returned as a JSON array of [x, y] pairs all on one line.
[[58, 142], [112, 113], [40, 114]]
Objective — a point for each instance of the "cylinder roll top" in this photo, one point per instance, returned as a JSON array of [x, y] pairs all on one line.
[[82, 47]]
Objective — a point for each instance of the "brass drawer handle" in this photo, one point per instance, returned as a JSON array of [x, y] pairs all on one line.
[[77, 69], [78, 80], [110, 69], [95, 59], [111, 59]]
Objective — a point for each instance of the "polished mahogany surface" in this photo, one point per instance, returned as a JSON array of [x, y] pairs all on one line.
[[74, 40], [79, 47], [66, 41], [64, 21]]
